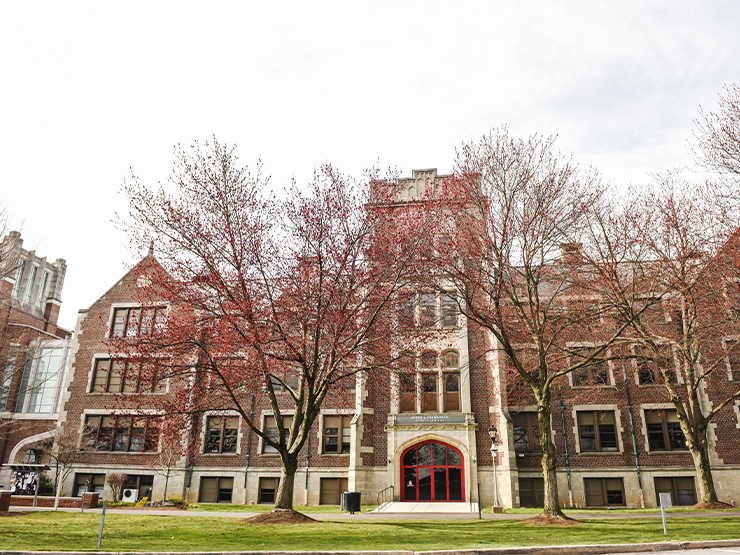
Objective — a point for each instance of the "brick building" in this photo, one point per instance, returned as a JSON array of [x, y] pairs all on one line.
[[34, 350], [614, 429]]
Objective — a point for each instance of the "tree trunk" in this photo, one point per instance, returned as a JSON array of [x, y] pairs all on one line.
[[700, 454], [284, 497], [698, 444], [166, 481], [549, 459]]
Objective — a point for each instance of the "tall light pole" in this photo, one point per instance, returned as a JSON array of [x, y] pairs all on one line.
[[492, 431]]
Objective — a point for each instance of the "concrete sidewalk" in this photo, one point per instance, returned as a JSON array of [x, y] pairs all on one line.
[[384, 515]]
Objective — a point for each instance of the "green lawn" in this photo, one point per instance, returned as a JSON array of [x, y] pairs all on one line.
[[78, 532]]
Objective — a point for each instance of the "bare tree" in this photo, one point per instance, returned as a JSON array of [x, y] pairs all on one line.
[[116, 481], [519, 214], [717, 134]]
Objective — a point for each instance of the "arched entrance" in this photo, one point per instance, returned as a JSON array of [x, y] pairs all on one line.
[[432, 471]]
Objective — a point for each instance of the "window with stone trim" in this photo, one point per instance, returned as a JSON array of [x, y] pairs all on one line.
[[526, 437], [593, 374], [652, 362], [683, 493], [449, 311], [664, 431], [271, 431], [268, 488], [451, 380], [86, 482], [597, 431], [604, 492], [221, 434], [133, 321], [122, 433], [337, 434], [125, 376]]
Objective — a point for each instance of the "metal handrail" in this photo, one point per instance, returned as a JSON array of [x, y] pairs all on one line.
[[385, 497]]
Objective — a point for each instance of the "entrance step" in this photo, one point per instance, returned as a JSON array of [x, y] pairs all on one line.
[[411, 507]]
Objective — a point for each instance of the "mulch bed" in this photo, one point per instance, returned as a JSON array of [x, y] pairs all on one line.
[[12, 513], [717, 505], [542, 520], [277, 517]]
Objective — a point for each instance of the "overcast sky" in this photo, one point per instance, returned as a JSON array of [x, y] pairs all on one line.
[[90, 91]]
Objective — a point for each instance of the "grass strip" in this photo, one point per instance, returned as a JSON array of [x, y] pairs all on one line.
[[46, 531]]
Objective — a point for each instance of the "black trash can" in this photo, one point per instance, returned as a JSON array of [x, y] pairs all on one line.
[[350, 502]]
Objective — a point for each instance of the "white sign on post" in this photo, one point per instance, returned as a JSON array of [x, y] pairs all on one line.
[[665, 503]]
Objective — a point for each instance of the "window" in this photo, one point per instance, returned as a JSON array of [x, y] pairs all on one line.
[[597, 431], [681, 490], [407, 387], [594, 374], [428, 359], [449, 311], [31, 283], [451, 359], [7, 377], [604, 492], [452, 391], [268, 490], [121, 433], [429, 392], [142, 483], [653, 362], [649, 310], [664, 430], [407, 308], [215, 490], [427, 310], [19, 278], [42, 290], [337, 434], [221, 434], [88, 483], [732, 348], [42, 380], [526, 438], [133, 321], [331, 490], [531, 492], [123, 376], [271, 432]]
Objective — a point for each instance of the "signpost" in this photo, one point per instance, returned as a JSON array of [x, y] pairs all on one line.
[[665, 502]]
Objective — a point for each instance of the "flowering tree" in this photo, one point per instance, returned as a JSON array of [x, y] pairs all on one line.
[[516, 230], [273, 303], [684, 310]]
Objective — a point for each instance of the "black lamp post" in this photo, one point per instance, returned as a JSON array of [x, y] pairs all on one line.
[[492, 432]]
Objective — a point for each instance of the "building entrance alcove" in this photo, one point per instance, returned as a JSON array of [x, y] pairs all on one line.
[[432, 471]]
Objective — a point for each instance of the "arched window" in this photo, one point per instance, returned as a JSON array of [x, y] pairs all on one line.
[[451, 359], [428, 359], [30, 457]]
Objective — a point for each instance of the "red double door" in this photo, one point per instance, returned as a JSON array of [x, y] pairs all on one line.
[[432, 471]]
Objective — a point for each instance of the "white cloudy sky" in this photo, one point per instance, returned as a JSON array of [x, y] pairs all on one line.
[[90, 90]]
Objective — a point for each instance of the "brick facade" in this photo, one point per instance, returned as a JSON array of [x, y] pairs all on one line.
[[489, 395]]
